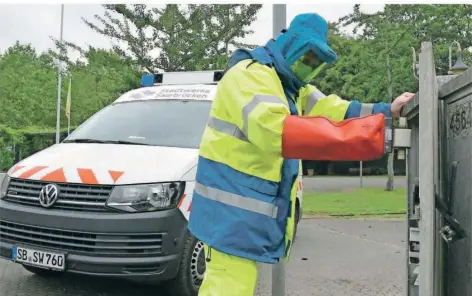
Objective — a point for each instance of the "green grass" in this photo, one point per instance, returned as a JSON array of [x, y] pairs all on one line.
[[361, 202]]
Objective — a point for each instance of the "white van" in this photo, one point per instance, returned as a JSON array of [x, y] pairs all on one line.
[[113, 199]]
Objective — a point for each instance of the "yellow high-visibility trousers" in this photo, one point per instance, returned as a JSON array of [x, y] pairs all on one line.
[[228, 275]]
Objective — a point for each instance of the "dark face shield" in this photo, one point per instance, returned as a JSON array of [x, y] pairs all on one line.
[[307, 67]]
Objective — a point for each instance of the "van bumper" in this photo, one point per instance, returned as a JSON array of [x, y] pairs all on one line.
[[144, 247]]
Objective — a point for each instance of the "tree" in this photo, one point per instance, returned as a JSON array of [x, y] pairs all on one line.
[[99, 82], [178, 37], [28, 91], [28, 87], [439, 23], [350, 76], [391, 34]]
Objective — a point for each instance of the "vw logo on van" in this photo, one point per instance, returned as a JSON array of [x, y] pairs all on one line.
[[48, 195]]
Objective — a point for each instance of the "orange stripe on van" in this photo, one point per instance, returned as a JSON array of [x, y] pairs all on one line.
[[17, 168], [181, 200], [115, 175], [31, 172], [189, 207], [55, 176], [87, 176]]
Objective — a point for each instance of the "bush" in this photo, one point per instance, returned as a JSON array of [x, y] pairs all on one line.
[[9, 138], [19, 144]]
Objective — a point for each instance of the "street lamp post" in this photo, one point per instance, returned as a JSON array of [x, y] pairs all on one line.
[[279, 22], [59, 84], [459, 67]]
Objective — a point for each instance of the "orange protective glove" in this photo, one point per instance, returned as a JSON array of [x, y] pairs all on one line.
[[319, 138]]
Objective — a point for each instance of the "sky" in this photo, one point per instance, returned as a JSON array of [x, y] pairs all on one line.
[[35, 23]]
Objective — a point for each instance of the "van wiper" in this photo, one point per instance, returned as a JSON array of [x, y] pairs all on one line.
[[83, 140], [126, 142]]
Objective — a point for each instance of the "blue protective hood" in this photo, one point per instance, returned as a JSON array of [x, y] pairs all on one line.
[[306, 32]]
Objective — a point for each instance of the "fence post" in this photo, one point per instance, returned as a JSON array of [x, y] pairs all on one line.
[[17, 153], [360, 172]]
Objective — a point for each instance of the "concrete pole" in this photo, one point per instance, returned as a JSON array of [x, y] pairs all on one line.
[[279, 19], [279, 22], [428, 167], [59, 84]]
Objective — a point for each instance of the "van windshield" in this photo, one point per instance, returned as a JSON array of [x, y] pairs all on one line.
[[171, 123]]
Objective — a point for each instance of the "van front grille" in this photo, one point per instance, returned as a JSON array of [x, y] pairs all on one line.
[[72, 197], [86, 243]]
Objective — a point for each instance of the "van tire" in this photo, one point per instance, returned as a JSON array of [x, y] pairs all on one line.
[[189, 277], [40, 271]]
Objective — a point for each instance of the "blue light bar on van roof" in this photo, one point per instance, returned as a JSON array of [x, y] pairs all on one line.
[[175, 78], [147, 80]]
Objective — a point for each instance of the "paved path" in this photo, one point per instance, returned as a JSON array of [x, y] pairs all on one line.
[[330, 258]]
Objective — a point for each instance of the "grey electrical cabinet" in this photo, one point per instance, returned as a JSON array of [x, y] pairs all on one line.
[[457, 99], [439, 164]]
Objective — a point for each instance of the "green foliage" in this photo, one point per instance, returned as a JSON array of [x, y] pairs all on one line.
[[97, 84], [28, 94], [8, 138], [360, 71], [15, 144], [27, 88]]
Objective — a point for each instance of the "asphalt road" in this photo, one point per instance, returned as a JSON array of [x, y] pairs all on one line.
[[330, 258]]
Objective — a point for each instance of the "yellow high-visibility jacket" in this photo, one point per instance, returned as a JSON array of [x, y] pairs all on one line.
[[241, 206]]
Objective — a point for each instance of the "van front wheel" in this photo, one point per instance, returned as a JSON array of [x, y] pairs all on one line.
[[191, 270]]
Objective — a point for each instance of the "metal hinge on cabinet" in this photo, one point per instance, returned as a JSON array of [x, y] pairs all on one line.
[[452, 231]]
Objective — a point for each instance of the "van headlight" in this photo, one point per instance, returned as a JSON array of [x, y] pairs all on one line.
[[4, 186], [146, 197]]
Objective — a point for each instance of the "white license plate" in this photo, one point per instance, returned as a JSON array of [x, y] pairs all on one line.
[[38, 258]]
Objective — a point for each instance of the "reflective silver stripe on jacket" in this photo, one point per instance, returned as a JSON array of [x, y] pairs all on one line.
[[232, 129], [238, 201], [366, 109], [227, 128], [253, 104], [312, 99]]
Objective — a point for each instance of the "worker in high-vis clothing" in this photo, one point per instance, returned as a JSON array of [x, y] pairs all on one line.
[[264, 119]]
